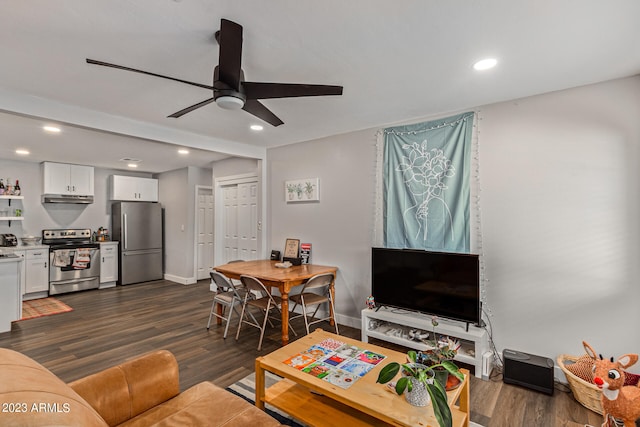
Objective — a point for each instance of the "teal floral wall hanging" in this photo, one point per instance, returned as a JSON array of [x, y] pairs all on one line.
[[426, 185]]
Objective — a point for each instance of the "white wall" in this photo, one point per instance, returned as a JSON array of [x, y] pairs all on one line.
[[234, 166], [339, 227], [559, 177], [177, 195], [173, 194], [559, 204]]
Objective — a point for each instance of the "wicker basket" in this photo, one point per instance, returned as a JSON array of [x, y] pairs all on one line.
[[589, 395]]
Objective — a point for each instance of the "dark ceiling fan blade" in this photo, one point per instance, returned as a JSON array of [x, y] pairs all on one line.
[[258, 90], [120, 67], [254, 107], [193, 107], [230, 58]]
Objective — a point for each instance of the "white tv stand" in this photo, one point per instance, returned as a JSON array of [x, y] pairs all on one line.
[[393, 325]]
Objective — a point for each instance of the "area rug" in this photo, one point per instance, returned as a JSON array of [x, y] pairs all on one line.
[[246, 388], [43, 307]]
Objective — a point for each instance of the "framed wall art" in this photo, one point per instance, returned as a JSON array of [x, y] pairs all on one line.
[[302, 190]]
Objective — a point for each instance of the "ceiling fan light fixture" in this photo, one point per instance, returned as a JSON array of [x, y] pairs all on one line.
[[229, 102]]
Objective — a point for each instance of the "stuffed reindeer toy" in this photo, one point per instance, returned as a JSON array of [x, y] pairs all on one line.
[[618, 401]]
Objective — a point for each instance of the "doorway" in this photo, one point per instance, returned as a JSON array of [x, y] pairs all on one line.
[[204, 231]]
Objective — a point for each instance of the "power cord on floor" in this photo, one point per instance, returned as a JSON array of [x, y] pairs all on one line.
[[497, 360]]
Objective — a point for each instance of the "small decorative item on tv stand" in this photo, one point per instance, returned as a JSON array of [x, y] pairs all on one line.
[[371, 304]]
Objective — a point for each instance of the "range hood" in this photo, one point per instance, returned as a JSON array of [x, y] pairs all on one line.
[[67, 198]]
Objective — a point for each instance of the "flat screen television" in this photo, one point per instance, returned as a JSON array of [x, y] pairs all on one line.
[[438, 283]]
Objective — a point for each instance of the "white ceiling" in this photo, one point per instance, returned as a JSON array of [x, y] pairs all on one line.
[[396, 60]]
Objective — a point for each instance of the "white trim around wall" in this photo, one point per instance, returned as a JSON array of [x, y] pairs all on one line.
[[179, 279]]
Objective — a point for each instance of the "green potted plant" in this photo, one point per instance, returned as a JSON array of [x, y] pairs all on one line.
[[416, 375], [440, 350]]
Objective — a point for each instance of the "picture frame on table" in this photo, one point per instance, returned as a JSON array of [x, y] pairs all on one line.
[[292, 248]]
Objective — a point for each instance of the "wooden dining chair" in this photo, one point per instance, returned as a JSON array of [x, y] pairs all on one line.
[[228, 295], [258, 296], [316, 291]]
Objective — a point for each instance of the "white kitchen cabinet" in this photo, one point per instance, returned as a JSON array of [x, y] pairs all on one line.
[[133, 189], [108, 264], [10, 301], [62, 178], [34, 280]]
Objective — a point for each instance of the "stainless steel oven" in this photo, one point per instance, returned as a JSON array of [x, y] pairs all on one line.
[[74, 260]]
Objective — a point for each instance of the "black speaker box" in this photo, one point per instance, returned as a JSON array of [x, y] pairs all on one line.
[[528, 370]]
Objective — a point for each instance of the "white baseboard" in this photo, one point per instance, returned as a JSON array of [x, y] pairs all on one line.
[[181, 280], [354, 322]]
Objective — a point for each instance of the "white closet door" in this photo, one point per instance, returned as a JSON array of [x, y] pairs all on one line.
[[204, 233], [230, 222], [248, 221], [237, 219]]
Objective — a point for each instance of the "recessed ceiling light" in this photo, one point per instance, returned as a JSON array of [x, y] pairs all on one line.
[[53, 129], [257, 127], [485, 64], [22, 152], [183, 151], [132, 165]]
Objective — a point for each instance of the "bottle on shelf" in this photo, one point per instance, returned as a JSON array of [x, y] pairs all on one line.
[[9, 190], [1, 187], [16, 188]]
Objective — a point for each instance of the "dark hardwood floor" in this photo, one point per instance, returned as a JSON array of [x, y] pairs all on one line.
[[110, 326]]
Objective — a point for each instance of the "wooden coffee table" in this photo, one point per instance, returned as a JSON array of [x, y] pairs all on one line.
[[317, 402]]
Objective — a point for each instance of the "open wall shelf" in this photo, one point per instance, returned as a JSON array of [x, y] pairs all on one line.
[[10, 218]]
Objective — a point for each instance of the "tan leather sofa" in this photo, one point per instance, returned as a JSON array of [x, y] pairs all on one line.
[[141, 392]]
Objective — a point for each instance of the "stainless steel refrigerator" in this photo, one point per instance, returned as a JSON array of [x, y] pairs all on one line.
[[138, 226]]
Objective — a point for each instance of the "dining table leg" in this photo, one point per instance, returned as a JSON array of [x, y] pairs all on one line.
[[332, 291], [285, 317]]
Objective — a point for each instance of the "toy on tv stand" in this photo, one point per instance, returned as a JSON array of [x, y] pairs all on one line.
[[371, 304], [618, 401]]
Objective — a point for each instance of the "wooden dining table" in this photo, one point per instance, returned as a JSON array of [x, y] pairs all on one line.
[[284, 279]]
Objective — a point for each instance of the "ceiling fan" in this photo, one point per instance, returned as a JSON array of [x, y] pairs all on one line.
[[230, 90]]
